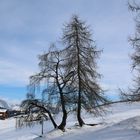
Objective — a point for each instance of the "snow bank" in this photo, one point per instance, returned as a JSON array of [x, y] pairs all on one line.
[[121, 123]]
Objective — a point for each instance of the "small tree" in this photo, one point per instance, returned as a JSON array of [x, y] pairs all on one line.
[[81, 54], [52, 69]]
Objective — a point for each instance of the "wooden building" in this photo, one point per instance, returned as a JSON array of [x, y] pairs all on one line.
[[3, 113]]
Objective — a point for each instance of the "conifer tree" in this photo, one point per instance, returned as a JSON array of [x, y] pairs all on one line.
[[81, 54]]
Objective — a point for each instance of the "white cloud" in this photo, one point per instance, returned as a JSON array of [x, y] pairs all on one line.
[[13, 74], [19, 61]]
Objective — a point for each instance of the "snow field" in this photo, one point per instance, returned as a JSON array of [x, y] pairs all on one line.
[[122, 122]]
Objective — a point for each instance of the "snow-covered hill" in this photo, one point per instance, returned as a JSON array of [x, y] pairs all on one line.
[[121, 123]]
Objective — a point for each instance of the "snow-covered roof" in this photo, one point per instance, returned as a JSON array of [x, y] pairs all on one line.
[[3, 110]]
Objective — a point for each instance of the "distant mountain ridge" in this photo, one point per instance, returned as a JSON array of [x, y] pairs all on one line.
[[4, 104]]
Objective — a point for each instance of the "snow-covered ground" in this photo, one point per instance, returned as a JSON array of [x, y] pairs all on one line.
[[122, 122]]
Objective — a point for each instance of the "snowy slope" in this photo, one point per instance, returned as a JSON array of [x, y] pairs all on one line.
[[121, 123], [125, 130]]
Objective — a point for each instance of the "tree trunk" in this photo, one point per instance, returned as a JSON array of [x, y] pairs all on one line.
[[52, 120], [80, 120], [64, 118], [63, 122]]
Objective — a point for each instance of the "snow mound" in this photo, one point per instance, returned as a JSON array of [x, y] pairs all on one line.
[[125, 130], [131, 123], [40, 138]]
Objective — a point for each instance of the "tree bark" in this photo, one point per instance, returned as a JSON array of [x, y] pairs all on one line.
[[80, 120], [63, 122], [64, 118]]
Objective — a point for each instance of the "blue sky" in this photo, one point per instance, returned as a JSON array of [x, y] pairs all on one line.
[[28, 27]]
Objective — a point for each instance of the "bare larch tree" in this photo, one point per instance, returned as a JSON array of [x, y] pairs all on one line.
[[81, 54]]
